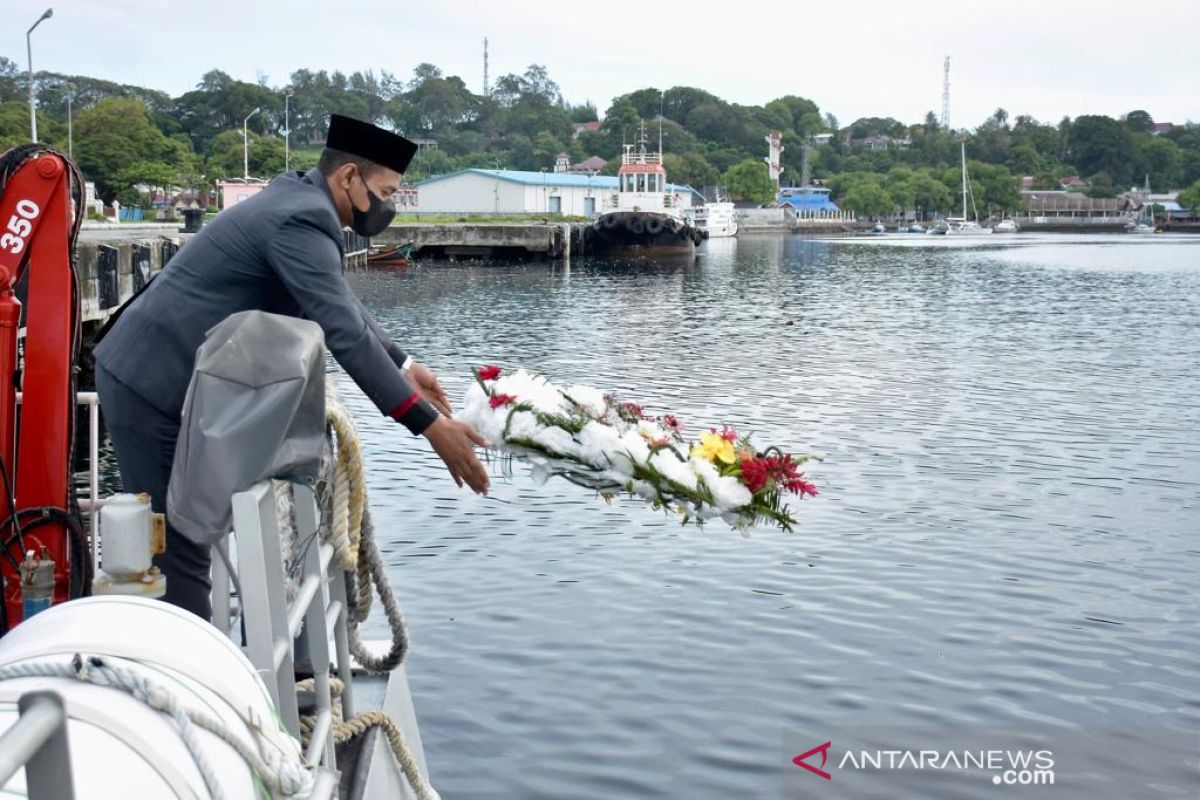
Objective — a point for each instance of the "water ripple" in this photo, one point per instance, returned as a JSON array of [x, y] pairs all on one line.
[[1006, 531]]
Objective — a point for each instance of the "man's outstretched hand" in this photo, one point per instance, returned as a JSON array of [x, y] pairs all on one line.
[[427, 384], [455, 442]]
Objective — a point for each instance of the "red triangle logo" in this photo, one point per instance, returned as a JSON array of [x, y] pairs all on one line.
[[823, 749]]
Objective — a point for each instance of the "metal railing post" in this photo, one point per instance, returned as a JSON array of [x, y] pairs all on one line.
[[38, 742], [263, 600]]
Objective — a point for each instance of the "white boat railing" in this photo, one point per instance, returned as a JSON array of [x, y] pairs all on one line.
[[251, 606], [641, 158], [279, 632]]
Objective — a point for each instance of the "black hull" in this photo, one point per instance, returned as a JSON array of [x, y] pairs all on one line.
[[641, 234]]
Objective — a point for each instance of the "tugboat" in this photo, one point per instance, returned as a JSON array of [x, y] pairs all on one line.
[[647, 221]]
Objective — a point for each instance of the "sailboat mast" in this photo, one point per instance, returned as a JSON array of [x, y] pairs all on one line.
[[964, 177]]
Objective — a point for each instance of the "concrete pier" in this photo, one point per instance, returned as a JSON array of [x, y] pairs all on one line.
[[112, 271], [114, 263], [540, 240]]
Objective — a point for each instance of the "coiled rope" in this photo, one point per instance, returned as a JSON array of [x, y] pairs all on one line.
[[284, 774], [347, 526], [349, 529], [352, 534], [345, 730]]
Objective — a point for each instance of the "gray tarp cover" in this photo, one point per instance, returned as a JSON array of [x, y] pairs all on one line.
[[255, 409]]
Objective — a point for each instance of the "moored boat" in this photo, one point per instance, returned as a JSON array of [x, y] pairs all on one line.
[[648, 220], [1145, 223], [961, 226], [957, 226], [717, 219], [390, 257]]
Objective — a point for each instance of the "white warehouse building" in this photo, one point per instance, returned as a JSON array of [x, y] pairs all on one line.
[[502, 191]]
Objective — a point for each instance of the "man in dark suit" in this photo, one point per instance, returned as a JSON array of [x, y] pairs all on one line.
[[279, 251]]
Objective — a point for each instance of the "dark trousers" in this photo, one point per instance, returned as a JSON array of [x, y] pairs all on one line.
[[144, 440]]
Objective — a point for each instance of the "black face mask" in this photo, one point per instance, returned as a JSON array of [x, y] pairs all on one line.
[[376, 218]]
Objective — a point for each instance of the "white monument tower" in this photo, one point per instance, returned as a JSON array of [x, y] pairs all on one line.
[[774, 153]]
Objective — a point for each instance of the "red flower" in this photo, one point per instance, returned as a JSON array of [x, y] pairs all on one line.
[[759, 473], [801, 487], [630, 412], [489, 373], [671, 423], [727, 433], [497, 400], [754, 474]]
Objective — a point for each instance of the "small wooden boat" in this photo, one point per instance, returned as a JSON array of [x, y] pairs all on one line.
[[391, 257]]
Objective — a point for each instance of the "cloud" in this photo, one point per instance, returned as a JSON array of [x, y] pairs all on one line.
[[865, 58]]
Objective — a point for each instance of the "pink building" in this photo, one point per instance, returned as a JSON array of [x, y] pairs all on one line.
[[236, 190]]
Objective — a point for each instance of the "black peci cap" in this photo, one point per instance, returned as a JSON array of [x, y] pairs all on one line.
[[365, 140]]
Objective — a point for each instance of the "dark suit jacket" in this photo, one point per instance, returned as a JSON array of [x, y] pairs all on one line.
[[279, 251]]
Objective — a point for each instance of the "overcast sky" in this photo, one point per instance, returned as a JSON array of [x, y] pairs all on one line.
[[853, 57]]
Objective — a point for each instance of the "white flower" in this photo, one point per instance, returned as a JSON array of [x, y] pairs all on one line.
[[652, 431], [522, 425], [607, 452], [727, 491], [556, 440], [477, 412], [675, 470], [705, 469], [599, 445], [612, 476], [592, 400], [634, 450], [644, 490], [532, 389]]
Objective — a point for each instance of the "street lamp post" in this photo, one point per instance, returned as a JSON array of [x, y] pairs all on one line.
[[287, 130], [246, 143], [70, 133], [47, 14]]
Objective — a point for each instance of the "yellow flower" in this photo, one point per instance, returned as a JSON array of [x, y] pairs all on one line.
[[714, 447]]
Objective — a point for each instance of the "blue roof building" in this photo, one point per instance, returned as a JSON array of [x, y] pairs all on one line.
[[807, 198], [506, 191]]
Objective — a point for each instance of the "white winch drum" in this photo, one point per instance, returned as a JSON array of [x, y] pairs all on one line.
[[120, 747]]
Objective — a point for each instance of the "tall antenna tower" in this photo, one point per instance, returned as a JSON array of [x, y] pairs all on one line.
[[485, 68], [946, 95], [660, 110]]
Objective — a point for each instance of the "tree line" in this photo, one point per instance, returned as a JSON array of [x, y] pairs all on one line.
[[125, 135]]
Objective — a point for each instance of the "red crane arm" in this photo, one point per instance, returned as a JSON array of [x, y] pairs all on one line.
[[36, 232]]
